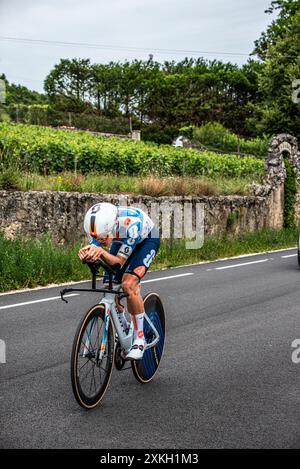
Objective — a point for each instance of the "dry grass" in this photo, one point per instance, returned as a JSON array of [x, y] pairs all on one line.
[[115, 184], [157, 187]]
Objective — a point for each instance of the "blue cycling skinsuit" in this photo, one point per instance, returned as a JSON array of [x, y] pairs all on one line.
[[136, 239]]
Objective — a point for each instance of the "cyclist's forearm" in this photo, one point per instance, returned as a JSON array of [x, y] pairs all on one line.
[[111, 259]]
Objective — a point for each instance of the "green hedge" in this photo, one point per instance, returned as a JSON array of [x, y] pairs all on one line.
[[46, 150], [290, 192], [215, 136]]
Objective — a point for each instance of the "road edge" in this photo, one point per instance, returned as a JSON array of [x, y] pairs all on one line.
[[55, 285]]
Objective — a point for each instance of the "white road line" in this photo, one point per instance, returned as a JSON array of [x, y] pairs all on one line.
[[241, 265], [148, 281], [166, 278], [51, 285], [37, 301], [77, 294]]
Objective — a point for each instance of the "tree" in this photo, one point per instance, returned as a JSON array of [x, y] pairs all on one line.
[[279, 47], [166, 96], [105, 88], [279, 27], [17, 94], [69, 83]]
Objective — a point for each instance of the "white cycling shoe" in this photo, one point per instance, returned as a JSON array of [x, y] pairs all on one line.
[[137, 350]]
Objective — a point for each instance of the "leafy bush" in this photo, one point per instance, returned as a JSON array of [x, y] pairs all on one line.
[[158, 134], [4, 116], [188, 131], [290, 191], [9, 179], [216, 136], [43, 150]]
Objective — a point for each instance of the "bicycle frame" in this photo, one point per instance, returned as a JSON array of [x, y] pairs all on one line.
[[108, 300], [125, 340]]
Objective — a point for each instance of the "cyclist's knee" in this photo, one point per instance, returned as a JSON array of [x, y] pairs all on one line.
[[131, 286]]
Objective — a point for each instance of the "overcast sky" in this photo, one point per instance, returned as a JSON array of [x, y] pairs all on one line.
[[212, 26]]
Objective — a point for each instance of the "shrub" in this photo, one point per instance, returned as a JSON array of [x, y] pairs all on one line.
[[290, 191], [216, 136], [188, 132], [155, 133], [9, 179]]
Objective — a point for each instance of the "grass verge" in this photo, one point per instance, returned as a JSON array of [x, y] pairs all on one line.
[[30, 263], [12, 179]]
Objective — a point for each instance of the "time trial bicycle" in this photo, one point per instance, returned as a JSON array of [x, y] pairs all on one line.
[[100, 341]]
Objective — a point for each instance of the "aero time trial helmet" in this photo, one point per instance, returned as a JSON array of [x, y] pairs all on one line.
[[100, 220]]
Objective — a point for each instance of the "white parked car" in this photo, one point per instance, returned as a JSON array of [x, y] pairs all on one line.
[[178, 142]]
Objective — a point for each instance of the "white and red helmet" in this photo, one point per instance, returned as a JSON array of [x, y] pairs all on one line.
[[100, 220]]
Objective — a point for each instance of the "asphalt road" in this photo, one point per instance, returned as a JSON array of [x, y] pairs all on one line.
[[227, 379]]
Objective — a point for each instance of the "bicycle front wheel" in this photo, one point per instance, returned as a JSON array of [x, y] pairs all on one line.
[[144, 370], [92, 357]]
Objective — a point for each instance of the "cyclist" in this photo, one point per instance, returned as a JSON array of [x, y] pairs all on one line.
[[134, 241]]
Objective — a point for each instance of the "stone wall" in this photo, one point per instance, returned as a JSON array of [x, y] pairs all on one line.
[[273, 185], [62, 214]]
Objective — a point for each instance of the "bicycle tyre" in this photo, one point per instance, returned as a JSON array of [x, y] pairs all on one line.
[[144, 370], [95, 315]]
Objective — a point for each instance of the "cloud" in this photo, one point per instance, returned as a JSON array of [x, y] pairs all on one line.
[[207, 25]]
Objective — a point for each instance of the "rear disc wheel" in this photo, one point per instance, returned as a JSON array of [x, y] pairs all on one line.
[[144, 370]]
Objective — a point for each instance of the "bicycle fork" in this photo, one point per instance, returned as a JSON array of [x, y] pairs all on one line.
[[86, 347], [105, 334], [87, 344]]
